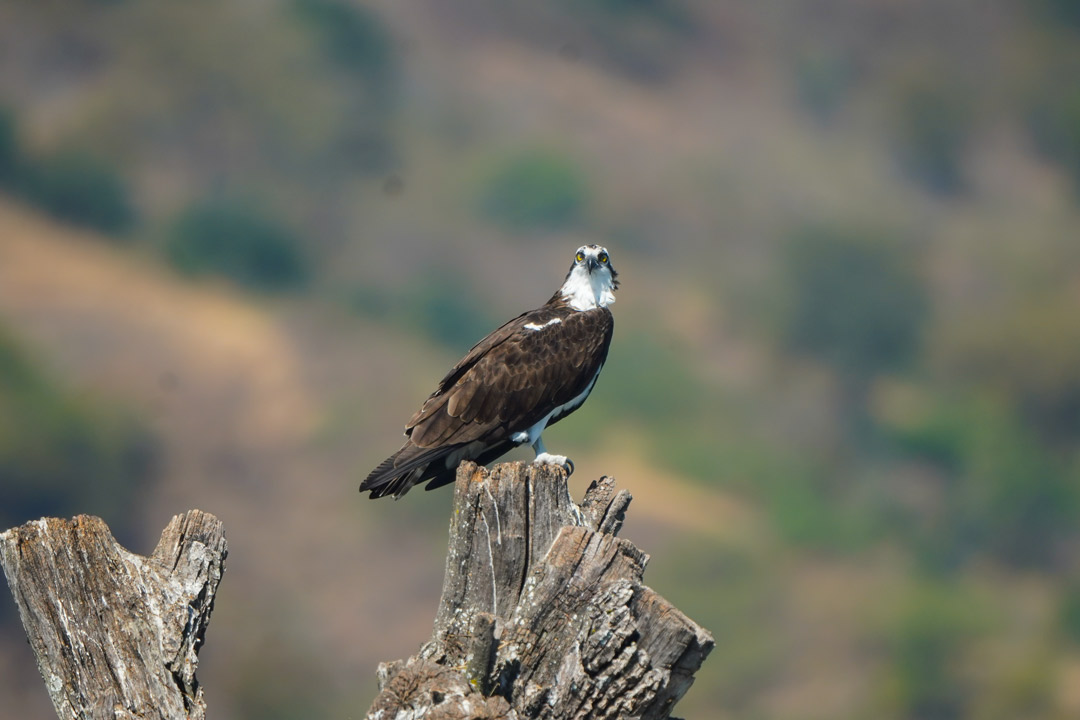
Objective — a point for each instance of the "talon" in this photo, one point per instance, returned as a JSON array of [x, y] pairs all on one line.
[[562, 461]]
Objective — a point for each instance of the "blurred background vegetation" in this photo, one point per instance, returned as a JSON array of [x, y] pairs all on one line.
[[240, 241]]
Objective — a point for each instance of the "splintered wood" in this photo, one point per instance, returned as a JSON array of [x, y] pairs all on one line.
[[116, 635], [543, 613]]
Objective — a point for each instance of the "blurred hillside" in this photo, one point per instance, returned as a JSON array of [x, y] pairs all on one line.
[[239, 242]]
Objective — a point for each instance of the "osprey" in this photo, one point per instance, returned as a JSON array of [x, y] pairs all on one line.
[[531, 372]]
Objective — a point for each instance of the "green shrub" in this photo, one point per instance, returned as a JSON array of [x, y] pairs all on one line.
[[359, 48], [61, 454], [1004, 494], [807, 510], [930, 631], [823, 81], [657, 384], [300, 686], [932, 121], [9, 149], [1023, 501], [1030, 354], [1058, 12], [456, 319], [238, 240], [643, 39], [1053, 120], [855, 301], [70, 185], [438, 308], [353, 37], [79, 189], [1069, 613], [535, 190], [664, 12], [736, 591]]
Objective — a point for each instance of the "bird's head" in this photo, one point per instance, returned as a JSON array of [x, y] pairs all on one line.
[[592, 280]]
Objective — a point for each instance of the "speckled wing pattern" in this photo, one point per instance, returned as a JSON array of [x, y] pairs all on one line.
[[506, 384]]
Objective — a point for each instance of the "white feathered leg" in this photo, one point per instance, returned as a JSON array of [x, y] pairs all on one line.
[[543, 457]]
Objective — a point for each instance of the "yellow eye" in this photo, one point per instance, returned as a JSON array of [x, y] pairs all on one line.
[[580, 256], [603, 257]]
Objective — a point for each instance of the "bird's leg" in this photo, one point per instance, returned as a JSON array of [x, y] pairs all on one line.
[[543, 457]]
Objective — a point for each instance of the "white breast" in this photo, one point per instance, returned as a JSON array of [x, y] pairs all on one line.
[[529, 436]]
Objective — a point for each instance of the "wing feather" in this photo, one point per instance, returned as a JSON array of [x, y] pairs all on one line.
[[506, 383], [512, 378], [461, 397]]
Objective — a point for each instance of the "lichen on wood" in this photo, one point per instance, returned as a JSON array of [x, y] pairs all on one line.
[[116, 634], [543, 612]]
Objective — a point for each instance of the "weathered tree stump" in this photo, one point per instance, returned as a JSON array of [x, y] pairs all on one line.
[[543, 613], [116, 635]]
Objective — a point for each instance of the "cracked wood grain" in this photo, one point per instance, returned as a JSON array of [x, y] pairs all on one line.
[[116, 635], [543, 612]]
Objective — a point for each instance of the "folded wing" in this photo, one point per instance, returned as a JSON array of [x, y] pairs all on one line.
[[508, 382]]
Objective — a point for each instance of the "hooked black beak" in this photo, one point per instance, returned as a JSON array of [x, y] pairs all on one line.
[[591, 264]]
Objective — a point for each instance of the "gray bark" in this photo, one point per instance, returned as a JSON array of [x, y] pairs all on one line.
[[543, 613], [116, 635]]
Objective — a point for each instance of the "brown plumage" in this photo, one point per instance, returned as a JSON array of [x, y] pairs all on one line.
[[524, 376]]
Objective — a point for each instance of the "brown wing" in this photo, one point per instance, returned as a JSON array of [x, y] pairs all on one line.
[[513, 377]]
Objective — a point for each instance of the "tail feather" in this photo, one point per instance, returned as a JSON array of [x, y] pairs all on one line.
[[412, 465], [396, 485], [450, 474], [398, 473]]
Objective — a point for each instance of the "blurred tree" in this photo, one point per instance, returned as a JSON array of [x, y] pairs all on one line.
[[855, 301], [1069, 612], [929, 632], [932, 122], [535, 189], [657, 384], [1005, 494], [70, 185], [1030, 355], [238, 239], [1054, 124], [440, 309], [78, 188], [643, 39], [661, 11], [455, 318], [1065, 12], [280, 676], [1023, 500], [354, 37], [61, 454], [823, 81], [356, 41], [737, 593], [9, 148]]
